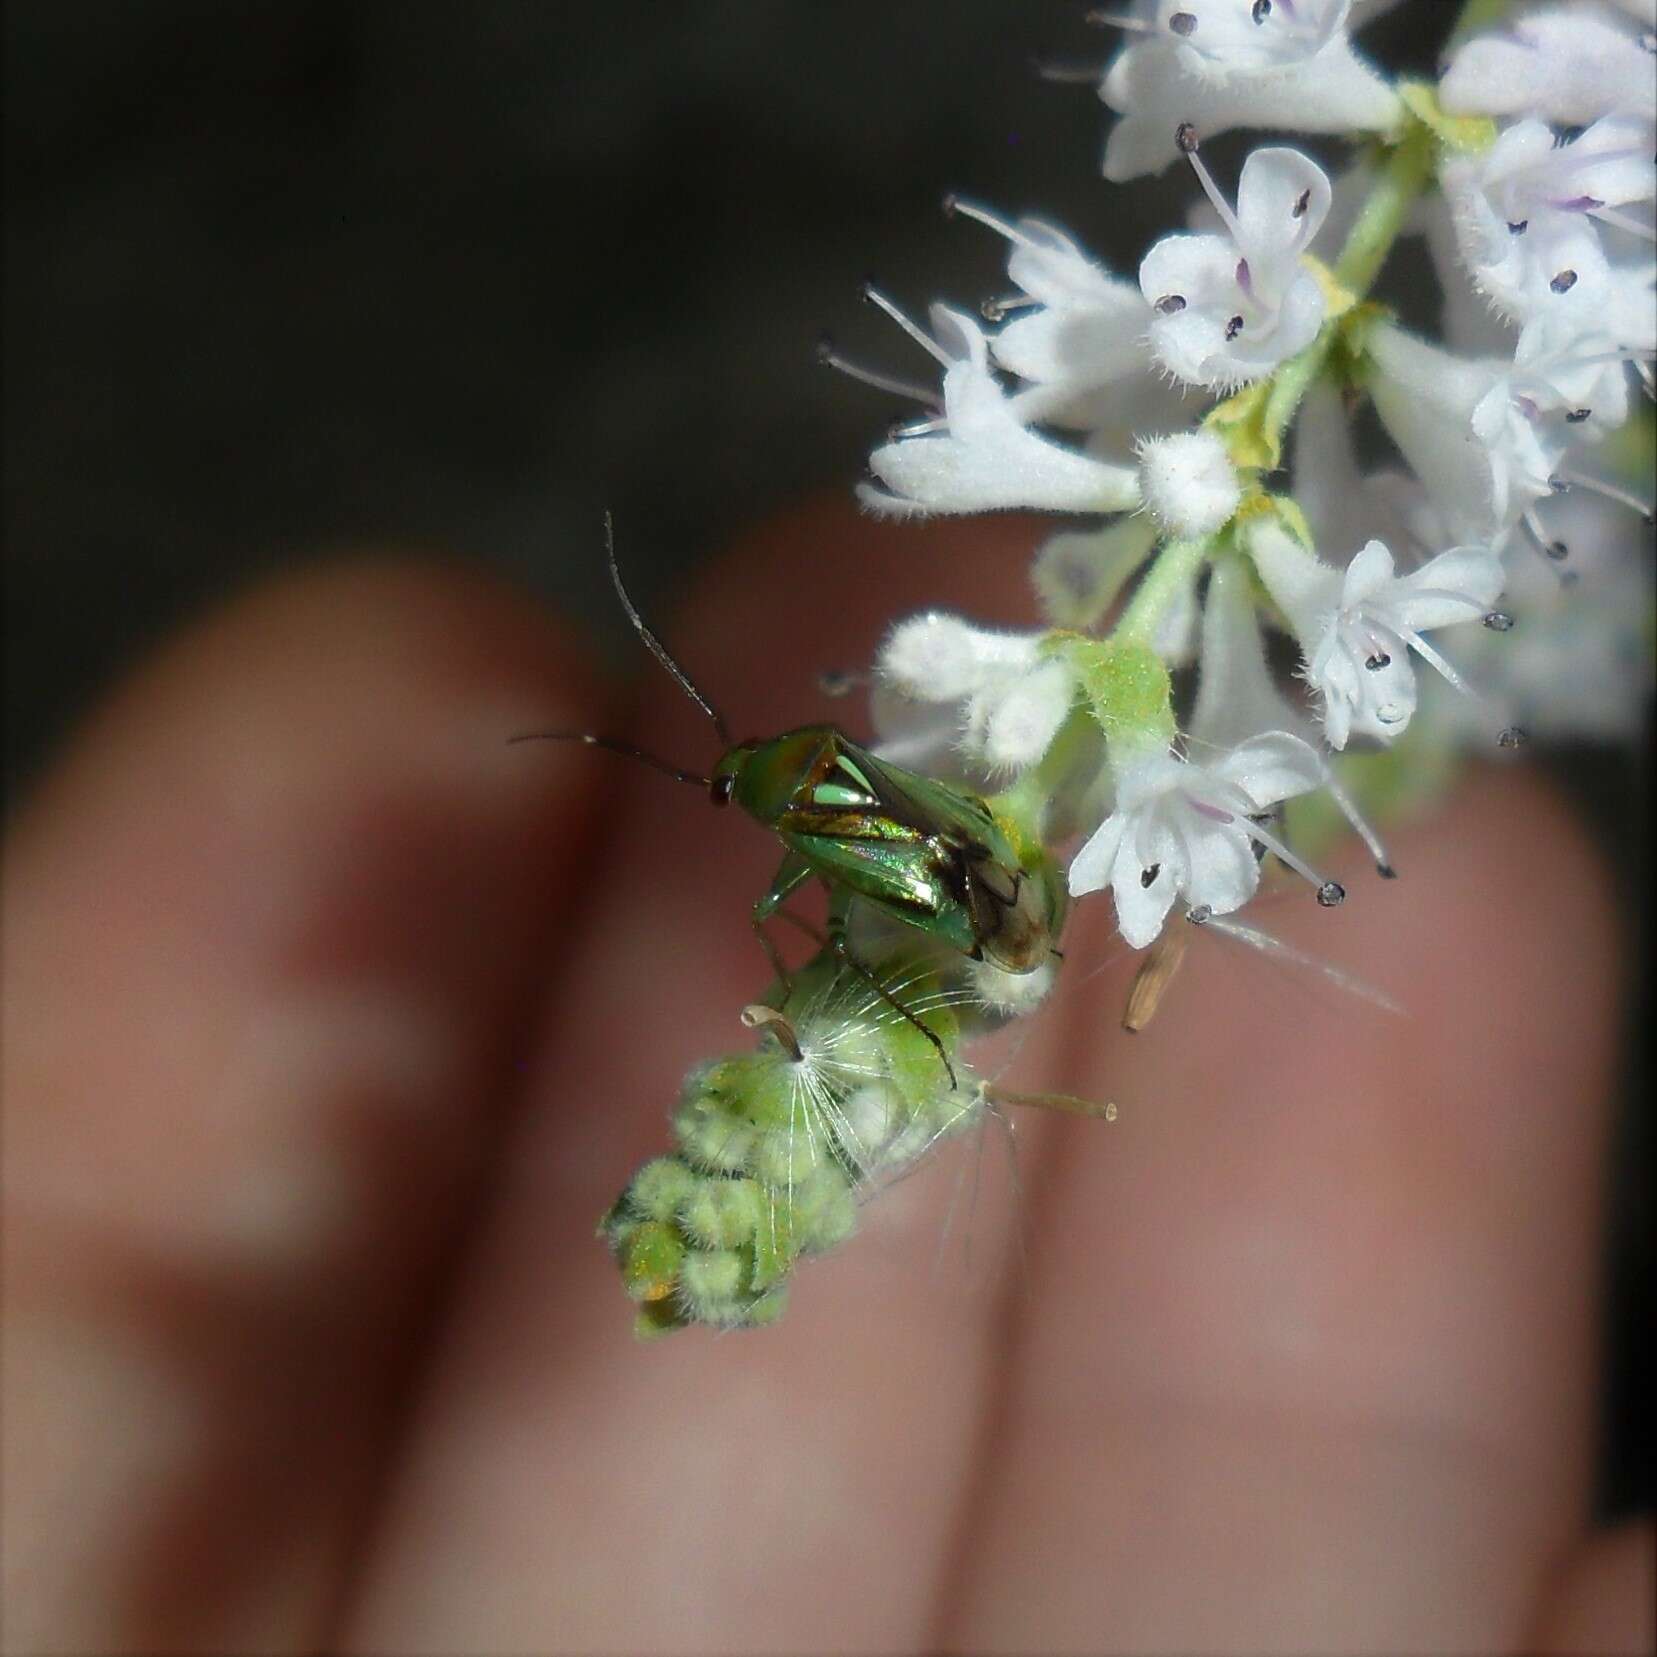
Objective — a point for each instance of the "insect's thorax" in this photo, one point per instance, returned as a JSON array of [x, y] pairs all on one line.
[[771, 778]]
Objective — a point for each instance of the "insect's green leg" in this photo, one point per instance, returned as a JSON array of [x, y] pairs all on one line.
[[839, 904], [792, 873]]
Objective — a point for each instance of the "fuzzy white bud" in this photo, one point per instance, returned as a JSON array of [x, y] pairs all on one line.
[[1189, 483]]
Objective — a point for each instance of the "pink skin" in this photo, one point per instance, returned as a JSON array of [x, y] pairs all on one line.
[[332, 1023]]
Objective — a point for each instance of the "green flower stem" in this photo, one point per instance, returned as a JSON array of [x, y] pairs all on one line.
[[1405, 175], [1172, 568]]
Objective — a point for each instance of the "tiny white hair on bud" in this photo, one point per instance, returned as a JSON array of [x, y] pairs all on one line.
[[1014, 994], [1189, 483], [1012, 724], [939, 657]]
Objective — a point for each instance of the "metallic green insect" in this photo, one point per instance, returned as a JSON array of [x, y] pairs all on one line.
[[931, 856]]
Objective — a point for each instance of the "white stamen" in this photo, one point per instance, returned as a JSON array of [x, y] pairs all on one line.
[[1348, 808], [1221, 206], [1551, 552], [1432, 658], [1610, 492], [1069, 74], [1111, 20], [1282, 853], [1001, 226], [1622, 221], [829, 357], [998, 310], [919, 335]]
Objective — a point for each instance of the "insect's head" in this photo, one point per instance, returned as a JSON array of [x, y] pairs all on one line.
[[722, 784]]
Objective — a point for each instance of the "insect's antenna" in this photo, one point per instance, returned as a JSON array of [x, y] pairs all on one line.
[[624, 748], [657, 648]]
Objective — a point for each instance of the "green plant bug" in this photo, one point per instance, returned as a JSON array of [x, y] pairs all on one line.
[[921, 852]]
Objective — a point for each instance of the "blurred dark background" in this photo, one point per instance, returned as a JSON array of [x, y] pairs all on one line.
[[286, 277]]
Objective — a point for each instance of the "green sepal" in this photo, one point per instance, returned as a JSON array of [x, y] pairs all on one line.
[[1287, 510], [1126, 684], [1240, 421], [650, 1261], [1465, 134]]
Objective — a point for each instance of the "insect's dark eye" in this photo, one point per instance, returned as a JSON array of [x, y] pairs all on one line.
[[719, 790]]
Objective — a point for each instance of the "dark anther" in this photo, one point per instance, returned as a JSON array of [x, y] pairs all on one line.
[[1201, 915], [1515, 736], [1331, 894], [1559, 486], [1304, 201], [1517, 227], [1499, 621], [1378, 661], [1557, 551], [1147, 875], [869, 288], [1577, 416], [1170, 304], [1185, 136], [1260, 10], [1386, 871], [1648, 42], [950, 202], [1564, 281], [1234, 327], [1183, 23], [825, 349]]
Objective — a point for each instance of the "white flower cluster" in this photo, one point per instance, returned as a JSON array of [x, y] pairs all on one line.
[[1163, 406]]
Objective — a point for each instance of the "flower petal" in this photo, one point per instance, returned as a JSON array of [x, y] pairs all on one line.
[[1091, 869], [1283, 198], [1224, 874], [1457, 586], [1142, 907], [1275, 766]]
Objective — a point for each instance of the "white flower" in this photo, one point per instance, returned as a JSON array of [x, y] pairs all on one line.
[[1357, 627], [1231, 308], [1186, 830], [1525, 214], [1237, 698], [980, 455], [1569, 65], [1567, 384], [1483, 447], [1085, 329], [990, 696], [1219, 64], [1189, 483]]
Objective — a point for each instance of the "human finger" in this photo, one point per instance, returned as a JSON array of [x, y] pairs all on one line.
[[272, 931]]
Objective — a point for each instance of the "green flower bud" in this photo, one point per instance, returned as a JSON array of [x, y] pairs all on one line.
[[661, 1188], [723, 1213]]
